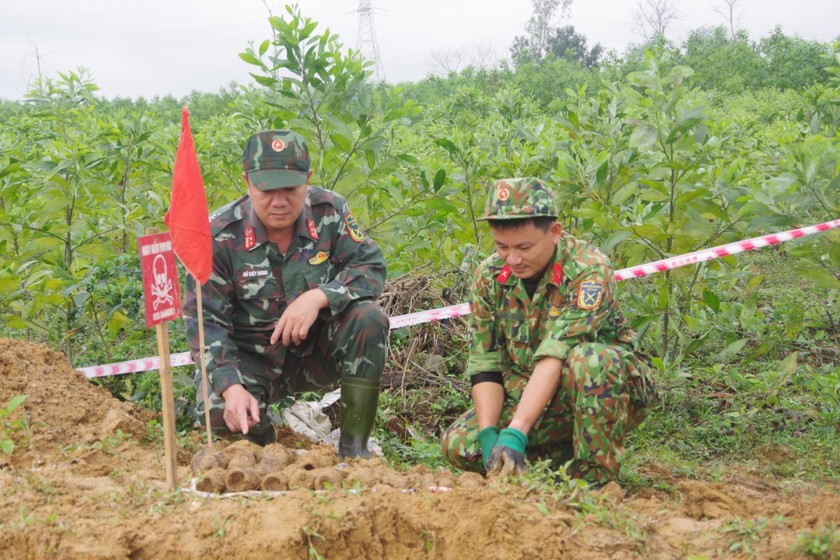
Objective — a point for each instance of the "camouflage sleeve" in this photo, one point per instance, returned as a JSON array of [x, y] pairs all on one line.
[[217, 311], [360, 265], [485, 338], [588, 306]]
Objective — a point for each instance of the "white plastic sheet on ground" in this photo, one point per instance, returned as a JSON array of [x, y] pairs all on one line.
[[309, 420]]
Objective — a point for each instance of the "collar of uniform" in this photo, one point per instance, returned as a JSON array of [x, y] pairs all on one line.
[[505, 276], [555, 269], [553, 272], [305, 225], [256, 226]]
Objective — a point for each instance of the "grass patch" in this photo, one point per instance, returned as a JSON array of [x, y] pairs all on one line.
[[774, 417]]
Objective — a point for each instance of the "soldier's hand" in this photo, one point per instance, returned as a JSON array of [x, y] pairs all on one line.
[[300, 315], [486, 441], [508, 455], [242, 411]]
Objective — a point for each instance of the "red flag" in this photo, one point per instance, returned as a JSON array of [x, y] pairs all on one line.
[[187, 218]]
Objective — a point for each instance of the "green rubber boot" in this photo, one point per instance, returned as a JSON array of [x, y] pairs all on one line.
[[359, 397]]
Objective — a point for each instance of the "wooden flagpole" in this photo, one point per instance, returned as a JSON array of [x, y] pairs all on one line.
[[202, 361], [167, 397]]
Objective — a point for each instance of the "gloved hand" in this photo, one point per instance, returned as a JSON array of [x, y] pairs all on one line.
[[508, 455], [486, 440]]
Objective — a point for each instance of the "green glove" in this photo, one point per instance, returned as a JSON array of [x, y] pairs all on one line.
[[508, 455], [486, 440]]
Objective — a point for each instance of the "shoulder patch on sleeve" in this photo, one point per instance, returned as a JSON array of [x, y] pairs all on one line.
[[590, 294], [353, 228]]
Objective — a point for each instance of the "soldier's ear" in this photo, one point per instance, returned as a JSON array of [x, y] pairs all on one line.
[[555, 230], [308, 176]]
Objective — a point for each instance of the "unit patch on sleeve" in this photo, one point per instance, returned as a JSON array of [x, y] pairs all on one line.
[[353, 228], [590, 294]]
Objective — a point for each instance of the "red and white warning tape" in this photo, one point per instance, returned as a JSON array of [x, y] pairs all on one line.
[[722, 251], [135, 366], [183, 358]]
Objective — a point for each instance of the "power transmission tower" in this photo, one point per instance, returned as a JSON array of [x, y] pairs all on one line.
[[366, 42]]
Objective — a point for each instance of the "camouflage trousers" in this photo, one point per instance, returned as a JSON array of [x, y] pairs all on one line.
[[353, 344], [605, 392]]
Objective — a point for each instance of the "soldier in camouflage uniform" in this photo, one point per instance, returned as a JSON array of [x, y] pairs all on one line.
[[291, 302], [551, 358]]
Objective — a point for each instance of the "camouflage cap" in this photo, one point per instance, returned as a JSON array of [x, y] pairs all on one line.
[[511, 199], [276, 159]]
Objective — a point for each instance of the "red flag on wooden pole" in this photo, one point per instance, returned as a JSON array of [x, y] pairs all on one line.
[[189, 227], [187, 218]]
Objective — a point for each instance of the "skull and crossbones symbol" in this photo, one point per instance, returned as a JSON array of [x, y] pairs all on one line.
[[162, 288]]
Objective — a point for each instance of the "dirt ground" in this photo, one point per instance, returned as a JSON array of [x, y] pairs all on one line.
[[74, 488]]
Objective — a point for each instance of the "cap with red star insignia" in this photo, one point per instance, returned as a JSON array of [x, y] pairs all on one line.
[[276, 159], [516, 198]]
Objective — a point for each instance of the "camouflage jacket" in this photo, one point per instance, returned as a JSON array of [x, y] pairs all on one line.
[[253, 282], [574, 302]]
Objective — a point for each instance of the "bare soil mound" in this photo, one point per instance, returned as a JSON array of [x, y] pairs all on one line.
[[74, 488], [62, 406]]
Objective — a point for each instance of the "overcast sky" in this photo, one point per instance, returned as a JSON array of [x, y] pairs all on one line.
[[159, 47]]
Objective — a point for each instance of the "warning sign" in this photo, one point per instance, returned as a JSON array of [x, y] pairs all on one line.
[[160, 278]]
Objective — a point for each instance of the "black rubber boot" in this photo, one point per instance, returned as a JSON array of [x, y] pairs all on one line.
[[359, 398]]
